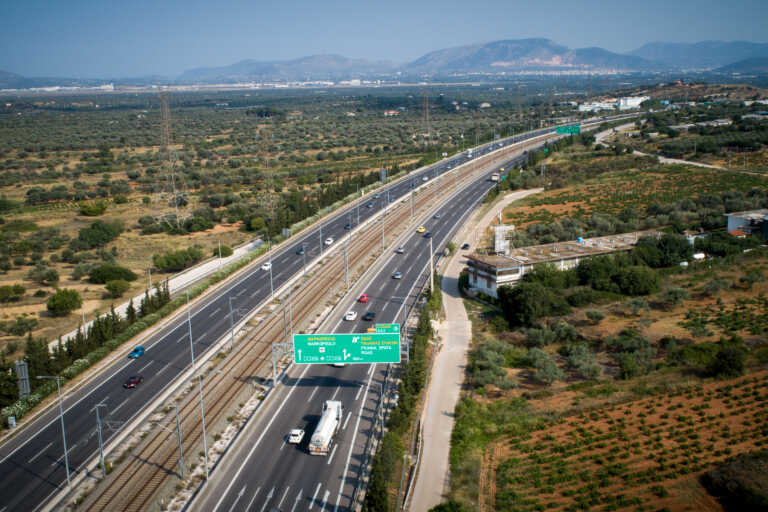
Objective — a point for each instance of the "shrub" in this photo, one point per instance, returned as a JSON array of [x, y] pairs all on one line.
[[177, 260], [225, 251], [98, 234], [595, 316], [43, 275], [675, 296], [63, 302], [117, 287], [727, 363], [11, 293], [120, 199], [526, 303], [110, 272], [637, 280], [93, 208], [714, 287]]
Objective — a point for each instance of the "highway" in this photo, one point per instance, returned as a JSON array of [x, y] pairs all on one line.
[[265, 473], [32, 466]]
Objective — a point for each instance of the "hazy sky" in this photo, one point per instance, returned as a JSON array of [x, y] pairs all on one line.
[[113, 38]]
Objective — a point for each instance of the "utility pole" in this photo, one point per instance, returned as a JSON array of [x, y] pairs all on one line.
[[382, 232], [219, 252], [271, 285], [150, 277], [61, 415], [304, 257], [101, 441], [321, 237], [202, 416], [189, 324], [411, 205]]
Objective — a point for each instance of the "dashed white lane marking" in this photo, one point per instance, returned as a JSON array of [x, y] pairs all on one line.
[[333, 452], [325, 499], [163, 369], [40, 452], [314, 496], [214, 312], [359, 390], [335, 392], [344, 427], [280, 503], [252, 499], [145, 366], [370, 369], [113, 411], [312, 394]]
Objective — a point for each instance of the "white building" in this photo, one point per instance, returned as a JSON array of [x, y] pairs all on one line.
[[597, 106], [630, 102], [487, 273]]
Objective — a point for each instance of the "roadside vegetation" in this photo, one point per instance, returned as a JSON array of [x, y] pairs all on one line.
[[629, 382]]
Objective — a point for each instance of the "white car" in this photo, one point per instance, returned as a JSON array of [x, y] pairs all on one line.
[[400, 250], [351, 315], [329, 240], [339, 365], [266, 266], [295, 436], [424, 178]]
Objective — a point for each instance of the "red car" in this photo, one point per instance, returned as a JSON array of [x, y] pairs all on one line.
[[363, 298], [133, 381]]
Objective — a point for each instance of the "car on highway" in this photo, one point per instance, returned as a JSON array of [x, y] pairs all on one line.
[[136, 352], [351, 315], [400, 250], [266, 266], [369, 205], [363, 298], [339, 365], [369, 316], [347, 226], [133, 381], [300, 250], [428, 234], [376, 196], [397, 275], [295, 436], [465, 247], [329, 240], [420, 229], [437, 215], [425, 178]]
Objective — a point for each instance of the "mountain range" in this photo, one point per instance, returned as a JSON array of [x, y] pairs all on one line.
[[505, 56]]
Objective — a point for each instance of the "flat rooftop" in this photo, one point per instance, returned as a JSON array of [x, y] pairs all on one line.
[[750, 214], [563, 250]]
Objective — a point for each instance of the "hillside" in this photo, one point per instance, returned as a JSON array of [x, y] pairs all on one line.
[[754, 66], [701, 55]]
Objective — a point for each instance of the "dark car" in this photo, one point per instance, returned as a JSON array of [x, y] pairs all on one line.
[[347, 226], [369, 205], [369, 316], [133, 381], [465, 247], [300, 251], [428, 234]]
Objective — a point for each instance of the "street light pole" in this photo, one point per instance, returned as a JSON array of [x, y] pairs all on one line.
[[382, 232], [189, 325], [304, 257], [101, 441], [431, 269], [231, 323], [61, 415]]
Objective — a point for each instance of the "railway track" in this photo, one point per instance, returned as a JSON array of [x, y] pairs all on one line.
[[133, 484]]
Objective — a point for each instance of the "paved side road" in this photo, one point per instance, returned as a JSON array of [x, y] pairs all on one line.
[[455, 333]]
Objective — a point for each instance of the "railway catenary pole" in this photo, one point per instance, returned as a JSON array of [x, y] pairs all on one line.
[[304, 257], [178, 436]]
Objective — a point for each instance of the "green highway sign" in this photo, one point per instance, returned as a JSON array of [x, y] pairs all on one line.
[[391, 328], [363, 348], [572, 129]]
